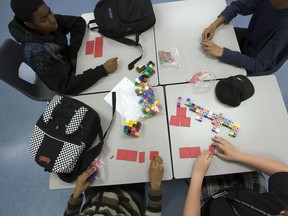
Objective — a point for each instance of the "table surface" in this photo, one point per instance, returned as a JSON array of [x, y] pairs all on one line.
[[125, 54], [180, 24], [263, 125], [153, 137]]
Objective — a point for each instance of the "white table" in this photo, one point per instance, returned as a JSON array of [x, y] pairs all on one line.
[[153, 137], [263, 131], [125, 54], [181, 24]]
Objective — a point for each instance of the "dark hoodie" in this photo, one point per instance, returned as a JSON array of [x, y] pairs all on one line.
[[49, 55]]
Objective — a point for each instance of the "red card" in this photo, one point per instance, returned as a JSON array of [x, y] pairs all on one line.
[[153, 154], [174, 120], [131, 155], [185, 121], [212, 148], [195, 152], [121, 154], [184, 152], [98, 47], [141, 158], [89, 47], [181, 112]]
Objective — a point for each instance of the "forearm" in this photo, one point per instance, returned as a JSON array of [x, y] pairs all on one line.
[[192, 204], [266, 165], [154, 205], [219, 21], [73, 206]]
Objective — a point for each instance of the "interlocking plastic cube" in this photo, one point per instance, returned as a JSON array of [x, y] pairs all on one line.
[[132, 128]]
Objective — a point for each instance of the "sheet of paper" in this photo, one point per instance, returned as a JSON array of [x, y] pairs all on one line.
[[127, 100]]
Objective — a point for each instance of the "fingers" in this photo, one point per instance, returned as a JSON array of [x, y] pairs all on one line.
[[157, 162], [90, 171]]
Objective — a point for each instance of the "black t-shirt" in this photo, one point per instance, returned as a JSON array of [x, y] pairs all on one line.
[[249, 203]]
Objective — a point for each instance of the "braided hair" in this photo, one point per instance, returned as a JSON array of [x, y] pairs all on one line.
[[24, 9]]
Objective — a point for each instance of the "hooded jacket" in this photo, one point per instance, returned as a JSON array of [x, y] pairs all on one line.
[[49, 55]]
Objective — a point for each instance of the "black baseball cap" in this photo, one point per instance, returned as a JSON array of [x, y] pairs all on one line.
[[234, 89]]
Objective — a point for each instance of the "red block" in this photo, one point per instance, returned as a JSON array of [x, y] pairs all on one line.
[[89, 47], [174, 120], [181, 112], [153, 154], [212, 148], [184, 152], [141, 158], [121, 154], [185, 121], [131, 155], [195, 152], [98, 47]]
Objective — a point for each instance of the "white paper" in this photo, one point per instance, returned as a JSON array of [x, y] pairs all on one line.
[[127, 100]]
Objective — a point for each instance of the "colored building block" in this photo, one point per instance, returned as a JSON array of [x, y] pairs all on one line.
[[132, 128]]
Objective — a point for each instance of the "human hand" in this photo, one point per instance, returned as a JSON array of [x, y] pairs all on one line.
[[202, 164], [111, 65], [82, 184], [230, 152], [208, 33], [156, 171], [212, 49]]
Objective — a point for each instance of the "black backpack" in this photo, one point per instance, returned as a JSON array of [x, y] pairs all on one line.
[[63, 136], [118, 18]]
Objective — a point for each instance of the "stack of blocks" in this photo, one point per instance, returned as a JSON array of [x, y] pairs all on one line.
[[150, 106], [147, 72], [217, 119], [144, 87], [132, 128]]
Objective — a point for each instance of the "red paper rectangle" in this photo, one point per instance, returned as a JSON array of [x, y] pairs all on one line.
[[141, 158], [181, 112], [185, 121], [131, 155], [174, 120], [212, 148], [121, 154], [89, 47], [195, 152], [153, 154], [98, 47], [184, 152]]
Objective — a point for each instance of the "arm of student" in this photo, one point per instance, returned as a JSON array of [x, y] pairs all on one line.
[[262, 164], [156, 171], [57, 76], [74, 25], [76, 199], [209, 32], [264, 60], [192, 204]]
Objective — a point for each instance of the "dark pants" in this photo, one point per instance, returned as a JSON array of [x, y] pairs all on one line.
[[241, 37]]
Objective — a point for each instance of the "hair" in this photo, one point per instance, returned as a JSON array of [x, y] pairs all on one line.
[[24, 9]]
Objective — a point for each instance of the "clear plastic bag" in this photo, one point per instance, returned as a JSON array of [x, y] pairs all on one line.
[[170, 58], [202, 79], [99, 164]]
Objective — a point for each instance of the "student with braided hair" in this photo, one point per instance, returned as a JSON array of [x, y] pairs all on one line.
[[46, 48]]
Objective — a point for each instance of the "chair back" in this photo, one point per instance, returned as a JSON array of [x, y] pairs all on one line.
[[11, 58]]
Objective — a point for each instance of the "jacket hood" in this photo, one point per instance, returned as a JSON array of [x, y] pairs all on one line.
[[23, 34]]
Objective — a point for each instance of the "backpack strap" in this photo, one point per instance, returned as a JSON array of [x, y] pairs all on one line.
[[130, 42]]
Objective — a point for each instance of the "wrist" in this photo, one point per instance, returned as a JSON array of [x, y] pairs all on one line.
[[155, 186], [76, 194]]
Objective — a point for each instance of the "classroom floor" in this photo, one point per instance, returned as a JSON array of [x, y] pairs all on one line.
[[24, 186]]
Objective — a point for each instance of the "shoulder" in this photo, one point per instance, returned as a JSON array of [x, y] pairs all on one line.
[[33, 49]]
